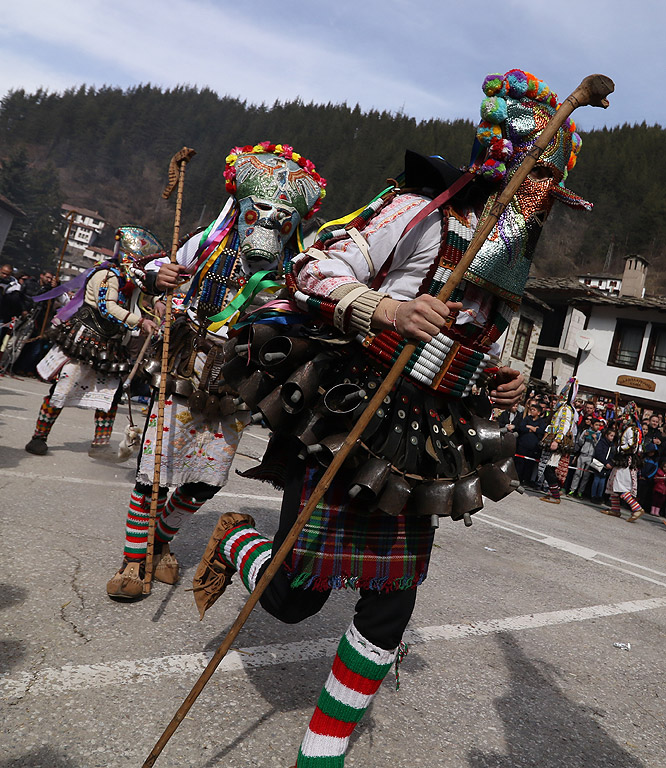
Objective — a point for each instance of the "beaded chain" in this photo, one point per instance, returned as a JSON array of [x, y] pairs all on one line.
[[217, 280]]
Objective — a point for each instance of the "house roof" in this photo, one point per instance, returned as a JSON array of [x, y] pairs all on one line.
[[647, 302], [9, 206], [83, 211], [570, 290], [561, 285]]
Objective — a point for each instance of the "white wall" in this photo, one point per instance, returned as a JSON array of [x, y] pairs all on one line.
[[594, 371]]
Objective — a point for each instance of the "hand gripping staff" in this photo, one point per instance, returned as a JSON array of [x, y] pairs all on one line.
[[176, 178], [592, 91]]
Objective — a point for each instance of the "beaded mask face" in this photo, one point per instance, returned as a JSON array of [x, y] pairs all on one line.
[[273, 195]]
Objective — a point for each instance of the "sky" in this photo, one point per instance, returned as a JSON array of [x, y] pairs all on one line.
[[425, 58]]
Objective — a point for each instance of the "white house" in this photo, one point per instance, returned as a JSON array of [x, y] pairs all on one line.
[[623, 344]]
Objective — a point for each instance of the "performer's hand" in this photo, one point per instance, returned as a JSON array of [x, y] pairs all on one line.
[[148, 327], [419, 319], [506, 387], [170, 276], [159, 308]]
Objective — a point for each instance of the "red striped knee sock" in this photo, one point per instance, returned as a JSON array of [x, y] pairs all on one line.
[[554, 491], [138, 518], [178, 508], [46, 419], [358, 670], [246, 550]]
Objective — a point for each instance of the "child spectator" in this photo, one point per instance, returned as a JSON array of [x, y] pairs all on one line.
[[659, 490], [604, 453]]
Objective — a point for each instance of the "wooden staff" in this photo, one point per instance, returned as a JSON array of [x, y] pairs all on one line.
[[176, 178], [593, 91], [70, 216]]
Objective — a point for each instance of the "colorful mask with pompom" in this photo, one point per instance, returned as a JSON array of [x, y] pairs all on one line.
[[517, 107]]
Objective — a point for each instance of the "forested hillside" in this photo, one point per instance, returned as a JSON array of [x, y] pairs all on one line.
[[108, 150]]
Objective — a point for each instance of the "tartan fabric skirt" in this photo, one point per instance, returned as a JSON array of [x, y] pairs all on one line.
[[344, 546]]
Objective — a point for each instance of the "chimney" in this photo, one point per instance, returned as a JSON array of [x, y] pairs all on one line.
[[633, 278]]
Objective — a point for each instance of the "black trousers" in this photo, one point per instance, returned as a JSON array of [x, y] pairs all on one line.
[[381, 617]]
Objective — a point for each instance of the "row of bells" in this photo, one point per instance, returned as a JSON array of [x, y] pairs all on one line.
[[279, 378], [100, 355]]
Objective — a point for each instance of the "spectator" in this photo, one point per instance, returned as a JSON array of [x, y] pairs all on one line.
[[509, 419], [10, 297], [648, 470], [659, 490], [605, 454], [586, 443], [530, 430], [654, 435]]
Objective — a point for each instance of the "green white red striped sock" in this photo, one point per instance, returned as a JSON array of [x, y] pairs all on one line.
[[177, 509], [136, 527], [246, 550], [358, 670]]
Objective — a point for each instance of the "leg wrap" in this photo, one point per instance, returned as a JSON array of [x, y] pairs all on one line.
[[615, 503], [179, 507], [138, 517], [46, 419], [358, 670], [634, 506], [246, 550], [104, 425]]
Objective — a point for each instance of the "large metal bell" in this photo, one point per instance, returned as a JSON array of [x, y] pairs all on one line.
[[370, 479], [467, 497], [432, 497], [394, 496]]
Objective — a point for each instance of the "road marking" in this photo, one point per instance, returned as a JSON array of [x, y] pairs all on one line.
[[52, 681], [586, 553], [119, 484], [21, 391]]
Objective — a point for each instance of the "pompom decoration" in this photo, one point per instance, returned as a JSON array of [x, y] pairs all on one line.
[[518, 86], [493, 109], [494, 85], [282, 150], [486, 132], [517, 81], [493, 170]]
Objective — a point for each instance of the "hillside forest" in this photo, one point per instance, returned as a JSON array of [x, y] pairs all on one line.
[[108, 150]]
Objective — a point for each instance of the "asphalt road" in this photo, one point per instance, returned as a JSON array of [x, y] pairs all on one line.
[[512, 659]]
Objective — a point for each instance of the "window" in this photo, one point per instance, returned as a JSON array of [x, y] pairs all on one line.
[[522, 340], [655, 357], [627, 342]]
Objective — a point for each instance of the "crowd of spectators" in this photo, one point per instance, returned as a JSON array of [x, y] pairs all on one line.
[[23, 319], [595, 449]]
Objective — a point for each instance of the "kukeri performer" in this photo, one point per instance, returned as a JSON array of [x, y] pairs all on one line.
[[623, 480], [90, 333], [232, 263], [558, 442], [431, 449]]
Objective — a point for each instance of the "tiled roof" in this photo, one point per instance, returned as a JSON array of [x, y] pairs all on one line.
[[585, 294]]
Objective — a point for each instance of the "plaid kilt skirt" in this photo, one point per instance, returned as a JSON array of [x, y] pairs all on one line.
[[342, 545]]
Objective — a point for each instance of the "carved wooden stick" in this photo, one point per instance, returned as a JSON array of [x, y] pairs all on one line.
[[176, 177]]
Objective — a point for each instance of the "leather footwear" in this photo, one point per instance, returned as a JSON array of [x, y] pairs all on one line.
[[127, 583], [167, 569], [549, 499], [37, 446], [635, 516], [213, 575]]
